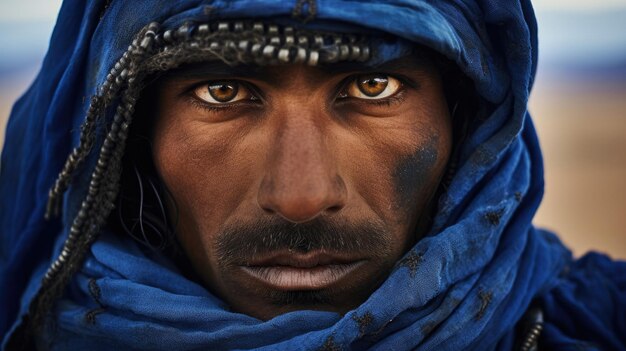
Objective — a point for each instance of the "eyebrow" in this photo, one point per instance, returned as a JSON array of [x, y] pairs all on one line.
[[216, 68], [405, 63], [219, 69]]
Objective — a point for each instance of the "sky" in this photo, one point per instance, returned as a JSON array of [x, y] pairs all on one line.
[[43, 9], [578, 5]]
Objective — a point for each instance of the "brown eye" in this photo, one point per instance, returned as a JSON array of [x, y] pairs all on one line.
[[373, 86], [221, 92]]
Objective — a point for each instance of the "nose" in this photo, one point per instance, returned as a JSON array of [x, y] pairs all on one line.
[[301, 179]]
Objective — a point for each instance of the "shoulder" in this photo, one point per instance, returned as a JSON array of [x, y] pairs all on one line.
[[586, 309]]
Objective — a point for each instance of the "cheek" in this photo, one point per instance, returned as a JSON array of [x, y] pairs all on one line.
[[184, 162], [196, 162], [415, 175], [407, 160]]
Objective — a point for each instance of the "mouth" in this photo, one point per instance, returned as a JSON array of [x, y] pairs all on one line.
[[310, 271]]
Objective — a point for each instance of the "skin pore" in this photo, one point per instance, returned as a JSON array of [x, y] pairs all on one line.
[[300, 187]]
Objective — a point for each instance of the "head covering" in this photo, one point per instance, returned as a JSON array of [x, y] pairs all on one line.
[[464, 285]]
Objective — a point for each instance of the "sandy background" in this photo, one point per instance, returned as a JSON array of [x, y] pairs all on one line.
[[582, 131]]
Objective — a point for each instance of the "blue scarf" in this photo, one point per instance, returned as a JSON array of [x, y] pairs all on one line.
[[464, 286]]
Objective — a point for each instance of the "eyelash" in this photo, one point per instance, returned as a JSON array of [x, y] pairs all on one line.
[[396, 98], [209, 107], [198, 103]]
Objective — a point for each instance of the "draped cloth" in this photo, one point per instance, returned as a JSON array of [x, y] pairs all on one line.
[[463, 286]]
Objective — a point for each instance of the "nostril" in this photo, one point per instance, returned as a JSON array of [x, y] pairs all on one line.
[[334, 209], [267, 210], [298, 209]]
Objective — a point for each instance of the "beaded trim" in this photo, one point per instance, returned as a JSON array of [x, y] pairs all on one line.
[[530, 342], [153, 50], [256, 43]]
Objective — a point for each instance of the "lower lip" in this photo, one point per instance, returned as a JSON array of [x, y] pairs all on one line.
[[297, 278]]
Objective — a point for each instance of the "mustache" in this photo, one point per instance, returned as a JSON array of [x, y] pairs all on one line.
[[238, 244]]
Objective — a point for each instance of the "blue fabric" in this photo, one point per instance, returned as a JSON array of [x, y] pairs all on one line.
[[475, 274]]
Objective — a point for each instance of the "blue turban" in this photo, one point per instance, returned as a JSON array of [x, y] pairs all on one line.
[[463, 286]]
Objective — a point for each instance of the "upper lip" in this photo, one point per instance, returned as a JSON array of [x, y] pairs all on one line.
[[302, 260]]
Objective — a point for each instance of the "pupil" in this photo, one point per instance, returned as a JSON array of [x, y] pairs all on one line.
[[372, 86], [223, 92]]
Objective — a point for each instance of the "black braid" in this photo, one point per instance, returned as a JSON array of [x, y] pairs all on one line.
[[96, 109], [104, 180]]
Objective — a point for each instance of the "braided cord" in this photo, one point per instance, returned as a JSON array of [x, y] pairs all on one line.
[[104, 182]]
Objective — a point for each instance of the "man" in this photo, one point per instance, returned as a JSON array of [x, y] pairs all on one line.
[[289, 175]]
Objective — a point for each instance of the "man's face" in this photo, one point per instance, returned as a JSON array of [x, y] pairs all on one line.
[[299, 187]]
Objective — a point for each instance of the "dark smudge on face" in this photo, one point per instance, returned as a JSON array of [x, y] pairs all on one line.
[[413, 171]]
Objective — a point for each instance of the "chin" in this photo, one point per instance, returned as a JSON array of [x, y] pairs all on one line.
[[265, 300]]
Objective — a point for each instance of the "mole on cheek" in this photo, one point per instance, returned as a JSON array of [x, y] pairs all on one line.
[[413, 172]]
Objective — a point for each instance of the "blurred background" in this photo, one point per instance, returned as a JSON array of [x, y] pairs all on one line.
[[578, 105]]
